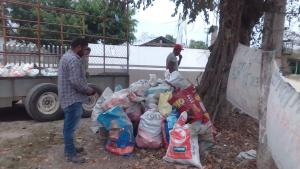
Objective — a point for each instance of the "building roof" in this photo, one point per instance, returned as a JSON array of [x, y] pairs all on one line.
[[157, 42]]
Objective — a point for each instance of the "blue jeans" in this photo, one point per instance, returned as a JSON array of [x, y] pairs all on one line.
[[73, 115]]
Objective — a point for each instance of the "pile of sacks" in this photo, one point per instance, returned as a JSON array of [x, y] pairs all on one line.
[[155, 113], [24, 69]]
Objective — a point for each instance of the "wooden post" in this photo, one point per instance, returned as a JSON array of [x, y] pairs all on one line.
[[264, 157]]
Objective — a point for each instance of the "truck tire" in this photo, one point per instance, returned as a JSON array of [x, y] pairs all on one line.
[[87, 109], [42, 103]]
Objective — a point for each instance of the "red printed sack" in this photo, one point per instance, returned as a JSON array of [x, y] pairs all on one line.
[[188, 100]]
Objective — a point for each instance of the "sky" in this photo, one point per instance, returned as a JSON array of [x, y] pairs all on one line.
[[157, 20]]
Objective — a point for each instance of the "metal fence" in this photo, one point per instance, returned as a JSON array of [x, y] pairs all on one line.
[[36, 49]]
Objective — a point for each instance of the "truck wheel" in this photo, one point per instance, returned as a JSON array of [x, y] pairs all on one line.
[[42, 103], [88, 108]]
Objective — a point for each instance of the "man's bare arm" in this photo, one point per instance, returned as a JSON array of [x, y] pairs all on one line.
[[179, 61], [170, 65]]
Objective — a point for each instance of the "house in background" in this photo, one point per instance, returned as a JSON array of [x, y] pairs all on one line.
[[157, 42], [292, 59]]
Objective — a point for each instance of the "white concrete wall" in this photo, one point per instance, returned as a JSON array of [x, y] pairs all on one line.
[[152, 56], [156, 56]]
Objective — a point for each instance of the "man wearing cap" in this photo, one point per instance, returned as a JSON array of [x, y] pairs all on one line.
[[172, 62], [85, 60]]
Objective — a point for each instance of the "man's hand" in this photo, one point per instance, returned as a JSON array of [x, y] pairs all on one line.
[[91, 92], [179, 61], [87, 73]]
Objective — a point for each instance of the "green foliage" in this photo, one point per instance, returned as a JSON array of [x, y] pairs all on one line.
[[93, 26], [170, 38], [197, 45]]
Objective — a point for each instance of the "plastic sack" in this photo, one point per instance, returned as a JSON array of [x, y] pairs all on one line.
[[160, 81], [118, 88], [150, 130], [27, 69], [183, 147], [49, 72], [140, 88], [150, 106], [97, 110], [7, 70], [188, 100], [175, 80], [206, 142], [206, 121], [152, 81], [14, 71], [18, 73], [134, 113], [123, 98], [151, 102], [121, 139], [2, 71], [164, 87], [153, 98], [34, 72], [168, 124], [164, 107]]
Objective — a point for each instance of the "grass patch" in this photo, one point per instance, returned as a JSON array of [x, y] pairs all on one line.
[[22, 152]]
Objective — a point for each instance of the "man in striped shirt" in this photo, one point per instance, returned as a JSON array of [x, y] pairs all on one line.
[[73, 91]]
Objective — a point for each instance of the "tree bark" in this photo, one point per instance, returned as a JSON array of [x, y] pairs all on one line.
[[237, 19]]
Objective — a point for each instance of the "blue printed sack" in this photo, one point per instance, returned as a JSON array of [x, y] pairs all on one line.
[[121, 139], [168, 124]]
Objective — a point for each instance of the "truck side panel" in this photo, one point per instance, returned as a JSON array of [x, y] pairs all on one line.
[[6, 92], [14, 89], [22, 86]]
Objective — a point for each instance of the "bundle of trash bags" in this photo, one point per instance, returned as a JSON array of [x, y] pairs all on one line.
[[24, 69], [156, 113]]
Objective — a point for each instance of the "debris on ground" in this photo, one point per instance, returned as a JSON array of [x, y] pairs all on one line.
[[249, 155]]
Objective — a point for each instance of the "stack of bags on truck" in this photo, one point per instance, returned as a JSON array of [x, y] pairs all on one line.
[[155, 113], [24, 69], [15, 70]]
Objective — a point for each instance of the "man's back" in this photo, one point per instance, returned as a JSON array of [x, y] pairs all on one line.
[[72, 84], [172, 58]]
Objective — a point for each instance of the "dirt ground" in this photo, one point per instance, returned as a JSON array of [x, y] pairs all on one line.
[[25, 143]]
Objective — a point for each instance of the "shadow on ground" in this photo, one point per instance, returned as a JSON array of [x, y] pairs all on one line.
[[15, 113]]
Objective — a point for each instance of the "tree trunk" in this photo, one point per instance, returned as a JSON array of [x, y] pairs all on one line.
[[237, 19]]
